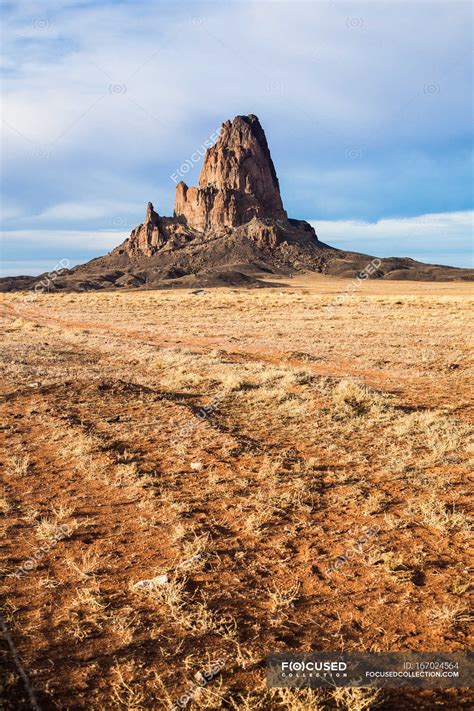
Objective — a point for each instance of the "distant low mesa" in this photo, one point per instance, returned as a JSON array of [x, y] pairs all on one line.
[[231, 229]]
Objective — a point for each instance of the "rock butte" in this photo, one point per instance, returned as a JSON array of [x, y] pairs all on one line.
[[238, 180], [230, 229], [238, 186]]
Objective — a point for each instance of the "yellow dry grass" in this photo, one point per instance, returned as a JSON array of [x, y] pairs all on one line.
[[239, 442]]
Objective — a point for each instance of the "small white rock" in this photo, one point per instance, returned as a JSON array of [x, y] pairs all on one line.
[[151, 583], [196, 466]]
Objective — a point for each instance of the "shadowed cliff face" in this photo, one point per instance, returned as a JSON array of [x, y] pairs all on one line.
[[237, 185]]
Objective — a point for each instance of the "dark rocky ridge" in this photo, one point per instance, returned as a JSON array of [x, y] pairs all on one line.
[[230, 229]]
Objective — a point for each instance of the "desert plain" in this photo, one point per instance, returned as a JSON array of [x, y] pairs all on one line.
[[292, 473]]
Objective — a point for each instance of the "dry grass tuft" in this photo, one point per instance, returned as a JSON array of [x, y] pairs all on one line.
[[281, 601], [353, 699], [345, 699], [88, 564], [55, 526], [353, 399], [315, 424], [85, 615], [18, 464], [127, 694], [437, 434], [171, 596], [437, 514], [124, 623], [4, 503], [450, 615]]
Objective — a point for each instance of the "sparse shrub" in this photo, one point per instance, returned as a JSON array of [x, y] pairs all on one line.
[[4, 503], [18, 464], [436, 514], [354, 399], [354, 699], [54, 527], [450, 615], [282, 600]]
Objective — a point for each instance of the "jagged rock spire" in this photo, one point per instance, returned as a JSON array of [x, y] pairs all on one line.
[[238, 190], [238, 180]]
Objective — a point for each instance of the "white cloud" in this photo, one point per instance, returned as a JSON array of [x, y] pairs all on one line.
[[103, 101], [85, 211], [431, 238], [30, 267], [10, 210], [298, 58], [99, 241], [436, 238], [33, 251]]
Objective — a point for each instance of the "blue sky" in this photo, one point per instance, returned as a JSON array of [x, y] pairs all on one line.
[[366, 105]]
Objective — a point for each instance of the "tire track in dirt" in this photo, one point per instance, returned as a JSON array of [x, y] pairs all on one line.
[[376, 378], [236, 588], [111, 512], [50, 483], [115, 530]]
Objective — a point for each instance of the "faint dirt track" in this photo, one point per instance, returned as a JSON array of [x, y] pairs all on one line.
[[323, 425]]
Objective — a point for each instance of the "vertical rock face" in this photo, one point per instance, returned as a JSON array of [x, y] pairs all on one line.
[[237, 183], [146, 238], [238, 193]]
